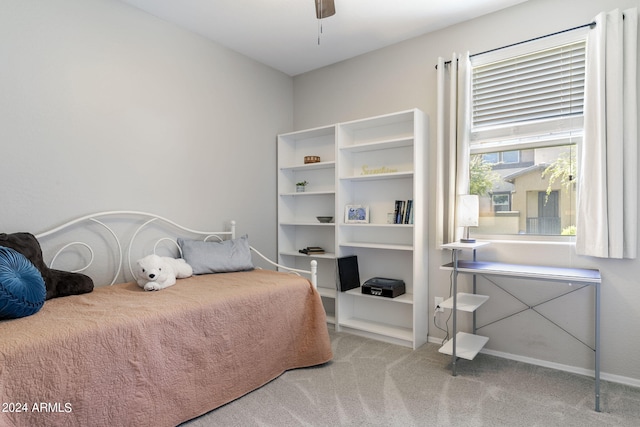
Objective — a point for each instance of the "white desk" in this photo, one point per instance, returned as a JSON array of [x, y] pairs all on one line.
[[587, 277]]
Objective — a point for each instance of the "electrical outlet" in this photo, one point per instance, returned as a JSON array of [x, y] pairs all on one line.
[[438, 301]]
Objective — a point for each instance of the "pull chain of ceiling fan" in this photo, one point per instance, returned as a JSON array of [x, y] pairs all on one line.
[[320, 22], [321, 13]]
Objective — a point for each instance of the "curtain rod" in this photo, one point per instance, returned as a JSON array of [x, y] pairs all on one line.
[[590, 24]]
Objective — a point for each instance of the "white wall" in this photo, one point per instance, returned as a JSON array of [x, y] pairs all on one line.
[[105, 107], [404, 76]]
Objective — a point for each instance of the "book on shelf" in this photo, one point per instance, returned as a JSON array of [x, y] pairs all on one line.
[[408, 216], [403, 212], [398, 212], [312, 250]]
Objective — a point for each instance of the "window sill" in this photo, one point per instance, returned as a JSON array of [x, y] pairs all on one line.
[[528, 239]]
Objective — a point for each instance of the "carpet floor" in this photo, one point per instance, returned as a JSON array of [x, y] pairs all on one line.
[[371, 383]]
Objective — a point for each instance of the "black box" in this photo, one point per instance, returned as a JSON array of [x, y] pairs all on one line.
[[348, 275], [379, 286]]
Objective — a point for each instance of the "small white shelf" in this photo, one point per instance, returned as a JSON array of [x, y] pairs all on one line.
[[376, 225], [379, 145], [466, 302], [404, 298], [378, 176], [467, 345], [326, 292], [326, 255], [462, 246], [307, 134], [309, 193], [310, 166], [390, 247], [378, 328], [309, 223]]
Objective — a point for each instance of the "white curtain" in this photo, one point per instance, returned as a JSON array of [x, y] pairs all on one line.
[[608, 180], [452, 130]]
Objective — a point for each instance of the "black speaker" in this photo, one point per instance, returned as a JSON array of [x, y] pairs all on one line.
[[348, 275]]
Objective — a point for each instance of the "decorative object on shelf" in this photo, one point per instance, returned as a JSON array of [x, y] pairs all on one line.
[[383, 287], [356, 214], [312, 250], [311, 159], [301, 186], [468, 213], [348, 273], [382, 169], [324, 219]]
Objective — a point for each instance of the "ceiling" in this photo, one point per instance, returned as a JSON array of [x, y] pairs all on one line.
[[284, 34]]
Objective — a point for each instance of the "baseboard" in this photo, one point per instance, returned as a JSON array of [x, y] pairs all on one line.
[[546, 364]]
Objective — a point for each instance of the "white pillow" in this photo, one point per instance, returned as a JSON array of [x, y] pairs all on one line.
[[217, 257]]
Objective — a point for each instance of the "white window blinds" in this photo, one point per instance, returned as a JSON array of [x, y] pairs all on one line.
[[541, 85], [535, 95]]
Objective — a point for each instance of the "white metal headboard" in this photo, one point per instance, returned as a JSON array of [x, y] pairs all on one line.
[[146, 220]]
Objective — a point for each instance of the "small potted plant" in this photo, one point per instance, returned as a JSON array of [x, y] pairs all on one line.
[[301, 186]]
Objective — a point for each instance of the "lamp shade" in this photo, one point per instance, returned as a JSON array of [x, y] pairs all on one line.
[[468, 210]]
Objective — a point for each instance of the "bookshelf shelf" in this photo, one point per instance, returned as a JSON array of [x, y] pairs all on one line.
[[385, 246], [378, 176], [310, 166], [404, 298]]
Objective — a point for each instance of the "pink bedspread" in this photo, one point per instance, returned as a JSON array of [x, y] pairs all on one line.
[[121, 356]]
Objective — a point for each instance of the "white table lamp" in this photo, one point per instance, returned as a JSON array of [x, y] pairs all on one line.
[[468, 213]]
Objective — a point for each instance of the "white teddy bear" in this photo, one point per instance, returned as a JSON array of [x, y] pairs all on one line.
[[154, 272]]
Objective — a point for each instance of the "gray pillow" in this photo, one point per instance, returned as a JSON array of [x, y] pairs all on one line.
[[217, 257]]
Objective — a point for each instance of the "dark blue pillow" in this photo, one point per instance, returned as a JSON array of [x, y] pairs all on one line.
[[22, 288]]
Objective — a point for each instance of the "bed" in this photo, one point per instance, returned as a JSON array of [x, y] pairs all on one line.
[[121, 356]]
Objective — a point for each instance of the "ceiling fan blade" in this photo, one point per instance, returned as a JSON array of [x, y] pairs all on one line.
[[325, 8]]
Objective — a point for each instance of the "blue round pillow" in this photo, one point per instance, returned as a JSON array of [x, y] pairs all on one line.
[[22, 288]]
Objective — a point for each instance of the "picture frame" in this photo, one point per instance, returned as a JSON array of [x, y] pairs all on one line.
[[356, 214]]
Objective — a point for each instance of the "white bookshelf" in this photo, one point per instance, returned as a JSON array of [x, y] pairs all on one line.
[[380, 160], [298, 226], [374, 162]]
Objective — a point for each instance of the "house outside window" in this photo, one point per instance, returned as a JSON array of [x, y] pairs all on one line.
[[526, 126]]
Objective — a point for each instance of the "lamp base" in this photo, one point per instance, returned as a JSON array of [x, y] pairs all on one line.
[[467, 240]]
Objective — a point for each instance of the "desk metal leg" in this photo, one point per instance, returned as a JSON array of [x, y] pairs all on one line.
[[454, 312], [474, 292], [597, 346]]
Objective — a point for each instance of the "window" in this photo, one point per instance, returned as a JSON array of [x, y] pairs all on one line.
[[526, 123], [491, 158], [510, 157], [506, 157], [501, 202]]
